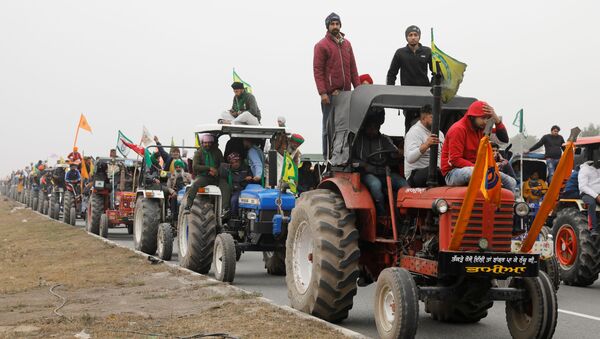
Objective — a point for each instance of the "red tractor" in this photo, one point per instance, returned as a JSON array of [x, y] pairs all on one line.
[[112, 199], [337, 242]]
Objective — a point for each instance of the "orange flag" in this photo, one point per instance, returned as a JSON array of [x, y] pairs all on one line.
[[491, 185], [84, 124], [475, 185], [84, 171], [560, 177]]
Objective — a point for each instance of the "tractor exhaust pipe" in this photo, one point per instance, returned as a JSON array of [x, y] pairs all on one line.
[[435, 127], [272, 169]]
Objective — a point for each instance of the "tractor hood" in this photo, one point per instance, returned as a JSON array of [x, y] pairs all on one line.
[[257, 197]]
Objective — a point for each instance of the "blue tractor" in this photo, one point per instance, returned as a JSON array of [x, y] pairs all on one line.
[[209, 234]]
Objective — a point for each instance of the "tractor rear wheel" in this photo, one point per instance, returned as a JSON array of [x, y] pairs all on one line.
[[396, 304], [196, 235], [95, 211], [536, 316], [164, 241], [34, 204], [69, 201], [575, 248], [103, 226], [322, 256], [469, 305], [145, 224], [72, 216], [275, 262], [45, 207]]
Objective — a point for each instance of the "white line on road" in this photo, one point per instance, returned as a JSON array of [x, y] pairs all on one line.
[[579, 314]]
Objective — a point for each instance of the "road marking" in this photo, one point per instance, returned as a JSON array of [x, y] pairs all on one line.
[[579, 314]]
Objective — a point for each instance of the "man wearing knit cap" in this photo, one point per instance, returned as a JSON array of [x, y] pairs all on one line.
[[244, 110], [281, 121], [459, 152], [334, 68], [412, 61]]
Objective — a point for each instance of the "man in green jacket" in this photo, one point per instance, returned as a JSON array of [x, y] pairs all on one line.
[[207, 160], [244, 110]]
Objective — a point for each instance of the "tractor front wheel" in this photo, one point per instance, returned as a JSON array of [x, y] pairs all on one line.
[[145, 224], [103, 226], [396, 304], [275, 262], [224, 257], [164, 241]]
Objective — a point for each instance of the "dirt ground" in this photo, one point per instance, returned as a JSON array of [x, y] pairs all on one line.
[[111, 292]]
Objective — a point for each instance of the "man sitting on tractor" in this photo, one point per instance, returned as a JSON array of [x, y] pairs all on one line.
[[73, 176], [234, 177], [462, 142], [207, 160], [535, 188], [178, 180], [374, 151], [589, 186], [256, 160], [244, 110]]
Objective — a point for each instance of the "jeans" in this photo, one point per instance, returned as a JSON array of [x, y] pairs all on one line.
[[551, 163], [462, 176], [174, 210], [376, 183], [326, 109], [592, 217]]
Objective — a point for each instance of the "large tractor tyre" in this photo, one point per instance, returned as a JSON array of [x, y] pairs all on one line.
[[469, 305], [145, 224], [238, 253], [69, 201], [34, 204], [164, 246], [103, 226], [224, 257], [322, 256], [535, 317], [275, 262], [196, 235], [575, 248], [72, 216], [55, 211], [95, 211], [46, 207], [396, 304]]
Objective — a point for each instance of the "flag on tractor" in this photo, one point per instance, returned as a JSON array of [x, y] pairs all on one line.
[[452, 71], [84, 171], [289, 172], [197, 141], [147, 138], [236, 78], [518, 122], [491, 184], [83, 124], [121, 144]]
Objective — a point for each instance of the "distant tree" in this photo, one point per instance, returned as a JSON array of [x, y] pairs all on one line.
[[590, 131]]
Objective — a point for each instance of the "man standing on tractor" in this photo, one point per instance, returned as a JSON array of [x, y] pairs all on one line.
[[178, 180], [374, 151], [412, 61], [234, 177], [589, 186], [459, 151], [553, 146], [169, 158], [244, 110], [207, 160], [334, 68], [417, 143]]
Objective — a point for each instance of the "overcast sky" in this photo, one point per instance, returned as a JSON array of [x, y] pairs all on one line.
[[167, 64]]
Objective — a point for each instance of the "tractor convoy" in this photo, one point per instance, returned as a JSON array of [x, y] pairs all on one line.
[[329, 241]]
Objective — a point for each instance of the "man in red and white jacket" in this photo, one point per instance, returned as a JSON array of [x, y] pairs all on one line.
[[459, 152], [334, 67]]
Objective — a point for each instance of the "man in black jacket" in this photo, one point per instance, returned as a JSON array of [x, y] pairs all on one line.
[[412, 61], [553, 146]]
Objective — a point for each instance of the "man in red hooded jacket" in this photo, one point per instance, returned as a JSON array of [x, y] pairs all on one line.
[[334, 67], [459, 152]]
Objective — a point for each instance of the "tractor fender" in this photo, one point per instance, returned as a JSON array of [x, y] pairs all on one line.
[[356, 197]]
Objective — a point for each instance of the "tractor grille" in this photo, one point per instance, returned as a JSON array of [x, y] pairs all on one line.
[[486, 222]]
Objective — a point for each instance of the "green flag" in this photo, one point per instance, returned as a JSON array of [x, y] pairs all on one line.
[[518, 122], [452, 71], [236, 78]]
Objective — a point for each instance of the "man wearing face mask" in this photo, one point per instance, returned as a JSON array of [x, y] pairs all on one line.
[[589, 187], [178, 180], [334, 68], [459, 152]]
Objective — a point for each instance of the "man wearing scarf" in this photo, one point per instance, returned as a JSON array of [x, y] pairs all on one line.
[[244, 110], [207, 160]]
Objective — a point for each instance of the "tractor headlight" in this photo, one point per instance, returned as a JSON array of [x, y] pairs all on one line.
[[521, 209], [251, 216], [483, 244], [440, 206]]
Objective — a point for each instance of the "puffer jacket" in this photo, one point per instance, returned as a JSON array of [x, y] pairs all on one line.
[[334, 66]]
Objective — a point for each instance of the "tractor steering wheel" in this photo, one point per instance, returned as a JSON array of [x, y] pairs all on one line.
[[385, 151]]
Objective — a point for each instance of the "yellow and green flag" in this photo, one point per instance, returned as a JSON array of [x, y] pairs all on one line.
[[236, 78], [452, 71], [289, 172]]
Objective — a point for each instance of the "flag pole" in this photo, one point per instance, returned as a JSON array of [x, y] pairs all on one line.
[[77, 132]]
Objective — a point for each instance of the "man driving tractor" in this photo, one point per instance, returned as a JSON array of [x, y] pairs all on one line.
[[207, 160]]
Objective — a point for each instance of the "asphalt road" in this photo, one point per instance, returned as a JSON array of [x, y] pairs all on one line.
[[585, 302]]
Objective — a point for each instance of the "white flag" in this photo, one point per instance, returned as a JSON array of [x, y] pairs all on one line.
[[147, 138]]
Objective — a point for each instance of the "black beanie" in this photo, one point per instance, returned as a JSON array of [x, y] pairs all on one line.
[[332, 17], [237, 85], [412, 28]]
